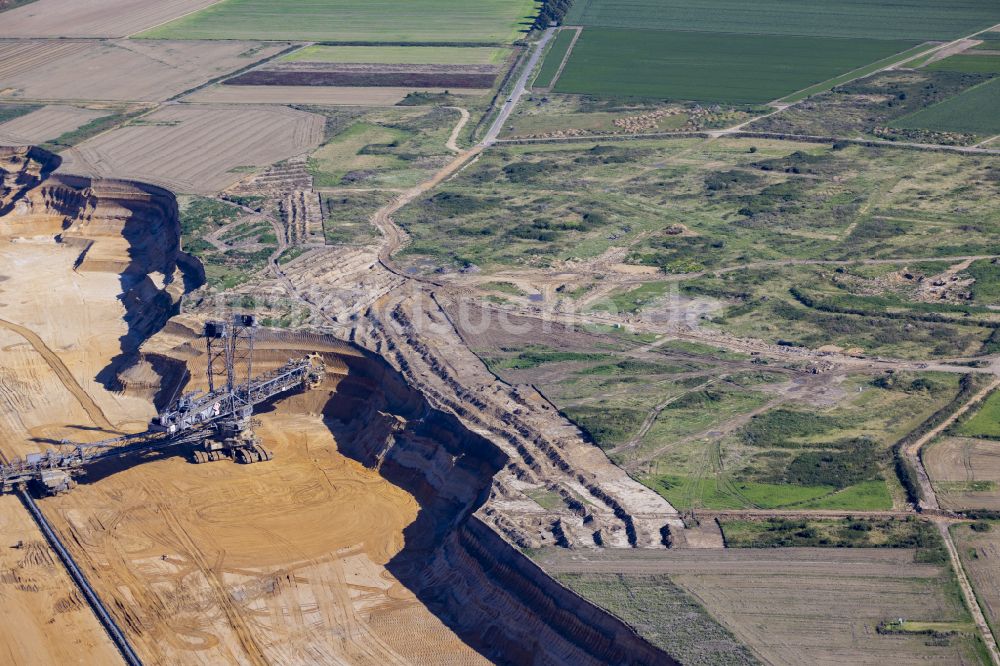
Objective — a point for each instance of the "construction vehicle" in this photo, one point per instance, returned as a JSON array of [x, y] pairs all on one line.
[[219, 422]]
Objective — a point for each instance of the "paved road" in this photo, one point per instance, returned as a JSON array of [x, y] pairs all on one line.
[[515, 95]]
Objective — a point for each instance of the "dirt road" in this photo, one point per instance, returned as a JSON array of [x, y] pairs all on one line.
[[912, 452], [63, 373], [967, 593]]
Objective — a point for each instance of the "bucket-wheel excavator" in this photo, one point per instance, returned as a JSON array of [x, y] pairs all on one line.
[[219, 422]]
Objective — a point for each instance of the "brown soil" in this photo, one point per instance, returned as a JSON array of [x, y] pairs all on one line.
[[96, 18], [965, 472], [150, 70], [197, 148]]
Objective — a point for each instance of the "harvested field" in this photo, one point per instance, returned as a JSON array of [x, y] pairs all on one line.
[[410, 76], [409, 55], [94, 18], [713, 67], [980, 553], [803, 605], [965, 472], [433, 21], [663, 614], [198, 149], [45, 124], [40, 602], [148, 71], [333, 96]]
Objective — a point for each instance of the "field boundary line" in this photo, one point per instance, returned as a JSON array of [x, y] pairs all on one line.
[[892, 65], [176, 18], [863, 71], [971, 601], [236, 72], [914, 450], [569, 50]]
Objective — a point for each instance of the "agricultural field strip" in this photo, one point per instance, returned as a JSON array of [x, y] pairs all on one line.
[[431, 22], [973, 111], [45, 124], [94, 18], [877, 562], [401, 55], [913, 450], [552, 63], [75, 70], [918, 20], [969, 595], [712, 67], [197, 147]]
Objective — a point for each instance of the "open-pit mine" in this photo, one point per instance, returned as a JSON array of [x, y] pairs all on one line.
[[383, 530]]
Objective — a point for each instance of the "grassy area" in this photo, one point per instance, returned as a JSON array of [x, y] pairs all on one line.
[[986, 420], [740, 201], [11, 4], [867, 106], [554, 58], [386, 148], [382, 21], [348, 216], [245, 257], [909, 19], [408, 55], [838, 533], [972, 64], [11, 111], [972, 111], [664, 614], [986, 289], [634, 300], [711, 67], [93, 128], [832, 458]]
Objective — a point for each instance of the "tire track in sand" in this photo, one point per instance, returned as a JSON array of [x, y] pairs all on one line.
[[62, 372]]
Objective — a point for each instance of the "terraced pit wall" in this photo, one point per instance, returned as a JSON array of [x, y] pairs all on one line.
[[484, 588]]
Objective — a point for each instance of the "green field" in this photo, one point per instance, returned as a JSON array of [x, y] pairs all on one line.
[[974, 111], [986, 421], [903, 19], [970, 64], [431, 21], [554, 58], [403, 55], [861, 72], [740, 69]]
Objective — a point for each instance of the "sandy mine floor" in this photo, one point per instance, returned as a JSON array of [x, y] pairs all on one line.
[[282, 562], [38, 601]]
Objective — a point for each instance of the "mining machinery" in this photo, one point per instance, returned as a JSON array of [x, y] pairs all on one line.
[[219, 421]]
